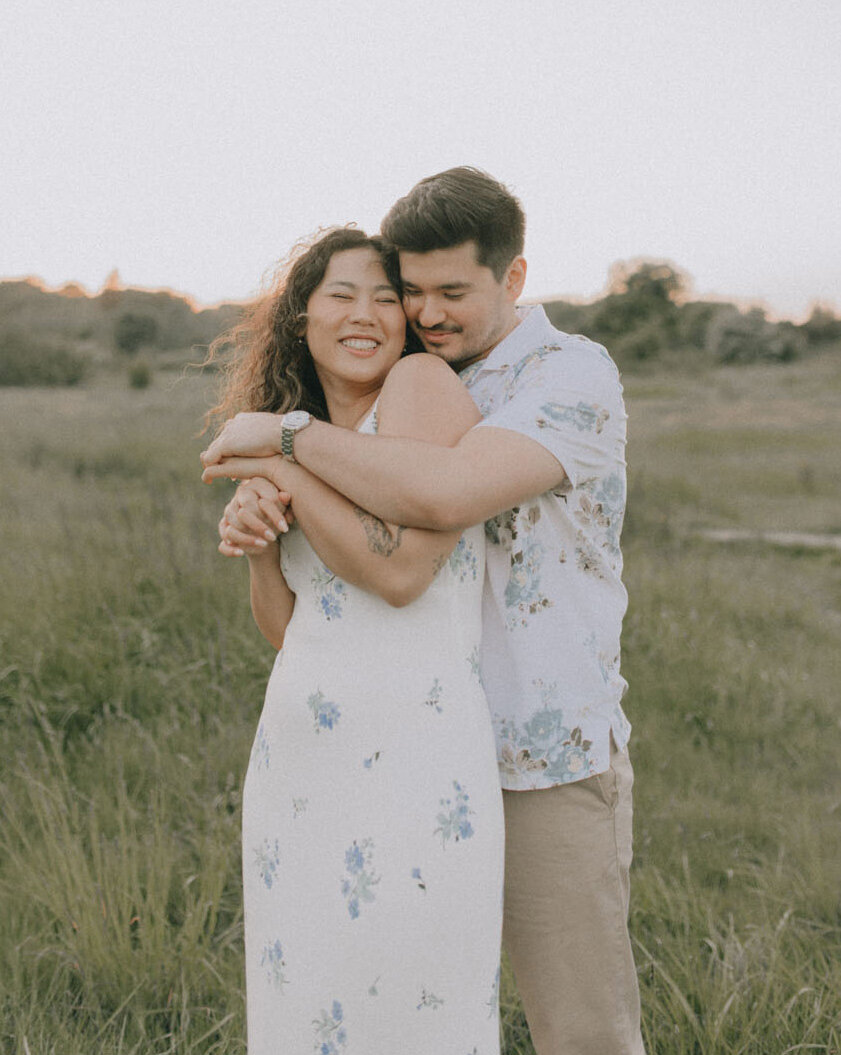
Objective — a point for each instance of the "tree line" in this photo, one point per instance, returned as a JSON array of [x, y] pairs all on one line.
[[645, 316]]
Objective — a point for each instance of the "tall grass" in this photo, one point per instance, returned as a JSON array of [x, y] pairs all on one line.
[[131, 678]]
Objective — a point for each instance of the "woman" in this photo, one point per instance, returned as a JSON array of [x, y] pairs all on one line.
[[372, 824]]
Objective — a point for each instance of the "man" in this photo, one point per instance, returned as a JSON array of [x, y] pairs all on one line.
[[545, 469]]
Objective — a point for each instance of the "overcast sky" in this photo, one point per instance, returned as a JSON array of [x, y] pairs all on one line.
[[190, 143]]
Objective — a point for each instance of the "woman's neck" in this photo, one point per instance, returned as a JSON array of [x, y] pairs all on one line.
[[348, 407]]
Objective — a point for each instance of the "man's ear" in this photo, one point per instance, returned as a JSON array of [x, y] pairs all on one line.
[[515, 278]]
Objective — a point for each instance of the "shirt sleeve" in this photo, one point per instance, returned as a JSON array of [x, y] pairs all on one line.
[[570, 402]]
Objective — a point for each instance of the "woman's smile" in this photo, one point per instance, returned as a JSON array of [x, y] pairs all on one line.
[[363, 347]]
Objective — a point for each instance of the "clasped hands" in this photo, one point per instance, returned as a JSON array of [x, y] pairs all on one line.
[[245, 450]]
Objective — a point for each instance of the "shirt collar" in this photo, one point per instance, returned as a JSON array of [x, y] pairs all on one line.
[[531, 330]]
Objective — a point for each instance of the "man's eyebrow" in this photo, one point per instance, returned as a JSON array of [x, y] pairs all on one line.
[[443, 286]]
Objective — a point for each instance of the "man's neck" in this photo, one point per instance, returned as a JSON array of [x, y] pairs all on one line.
[[511, 324]]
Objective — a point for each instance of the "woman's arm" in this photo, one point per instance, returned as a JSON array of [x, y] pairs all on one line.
[[422, 398], [272, 601]]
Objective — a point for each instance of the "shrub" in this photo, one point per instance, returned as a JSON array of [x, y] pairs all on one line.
[[132, 331], [571, 318], [747, 337], [693, 321], [139, 375], [25, 364], [644, 342]]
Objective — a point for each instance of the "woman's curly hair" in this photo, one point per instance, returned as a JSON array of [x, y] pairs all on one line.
[[267, 365]]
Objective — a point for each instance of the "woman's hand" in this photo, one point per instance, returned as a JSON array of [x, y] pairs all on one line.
[[253, 518]]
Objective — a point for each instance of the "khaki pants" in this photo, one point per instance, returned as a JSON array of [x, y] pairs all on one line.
[[567, 855]]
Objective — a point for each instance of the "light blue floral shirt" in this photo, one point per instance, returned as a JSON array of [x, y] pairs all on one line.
[[554, 599]]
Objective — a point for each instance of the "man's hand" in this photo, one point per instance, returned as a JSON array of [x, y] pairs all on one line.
[[253, 518], [276, 469], [248, 435]]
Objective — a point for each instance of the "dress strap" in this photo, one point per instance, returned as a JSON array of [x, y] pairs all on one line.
[[369, 423]]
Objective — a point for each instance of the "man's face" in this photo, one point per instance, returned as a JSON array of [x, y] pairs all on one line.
[[455, 305]]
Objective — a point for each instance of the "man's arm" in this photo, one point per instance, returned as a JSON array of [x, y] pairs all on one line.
[[408, 482], [403, 481]]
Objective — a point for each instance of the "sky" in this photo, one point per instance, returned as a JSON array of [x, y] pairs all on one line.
[[191, 143]]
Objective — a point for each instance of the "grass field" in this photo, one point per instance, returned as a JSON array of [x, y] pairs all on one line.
[[131, 678]]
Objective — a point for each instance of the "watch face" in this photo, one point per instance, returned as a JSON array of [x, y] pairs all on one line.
[[296, 419]]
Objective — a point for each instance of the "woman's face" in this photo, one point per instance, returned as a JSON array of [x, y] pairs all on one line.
[[356, 328]]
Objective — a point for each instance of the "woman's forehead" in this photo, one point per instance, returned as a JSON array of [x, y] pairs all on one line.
[[361, 266]]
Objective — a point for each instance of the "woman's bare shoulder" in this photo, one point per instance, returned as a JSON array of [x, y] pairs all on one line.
[[423, 398]]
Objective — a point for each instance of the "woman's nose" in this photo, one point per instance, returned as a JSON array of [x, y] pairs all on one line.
[[362, 310]]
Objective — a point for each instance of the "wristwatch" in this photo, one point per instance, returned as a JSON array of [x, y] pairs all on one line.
[[291, 423]]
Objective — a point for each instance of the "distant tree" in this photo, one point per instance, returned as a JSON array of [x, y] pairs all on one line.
[[641, 302], [133, 331], [72, 289], [648, 281], [822, 326], [111, 294]]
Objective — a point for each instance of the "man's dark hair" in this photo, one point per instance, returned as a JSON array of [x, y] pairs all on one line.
[[460, 205]]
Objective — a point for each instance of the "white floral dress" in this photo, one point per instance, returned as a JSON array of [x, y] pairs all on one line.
[[372, 823]]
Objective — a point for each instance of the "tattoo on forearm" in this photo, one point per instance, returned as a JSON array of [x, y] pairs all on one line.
[[380, 539]]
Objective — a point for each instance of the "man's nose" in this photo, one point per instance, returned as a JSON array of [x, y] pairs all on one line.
[[430, 313]]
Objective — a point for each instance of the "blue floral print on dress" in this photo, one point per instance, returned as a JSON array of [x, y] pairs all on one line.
[[330, 592], [272, 960], [261, 748], [475, 666], [268, 861], [416, 875], [433, 697], [453, 820], [493, 1000], [325, 713], [360, 877], [429, 1000], [330, 1032]]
